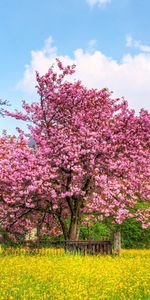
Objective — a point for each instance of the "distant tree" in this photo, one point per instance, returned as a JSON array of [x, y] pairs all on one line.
[[91, 160]]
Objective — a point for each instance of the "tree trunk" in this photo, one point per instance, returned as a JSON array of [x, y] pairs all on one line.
[[117, 243], [75, 222], [74, 229]]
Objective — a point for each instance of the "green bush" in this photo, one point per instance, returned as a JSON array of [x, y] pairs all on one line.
[[132, 234]]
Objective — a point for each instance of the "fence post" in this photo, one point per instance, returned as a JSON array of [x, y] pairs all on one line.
[[117, 242]]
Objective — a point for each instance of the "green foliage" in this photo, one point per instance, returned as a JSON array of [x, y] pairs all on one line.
[[95, 232], [132, 235]]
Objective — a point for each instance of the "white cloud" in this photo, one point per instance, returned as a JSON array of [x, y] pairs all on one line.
[[131, 43], [128, 78], [40, 60], [98, 2]]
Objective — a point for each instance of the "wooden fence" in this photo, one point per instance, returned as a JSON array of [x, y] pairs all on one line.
[[89, 247], [81, 247]]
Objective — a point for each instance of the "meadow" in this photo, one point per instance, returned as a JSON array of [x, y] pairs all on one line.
[[55, 275]]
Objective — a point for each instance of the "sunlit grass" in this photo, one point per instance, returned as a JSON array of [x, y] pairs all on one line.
[[53, 274]]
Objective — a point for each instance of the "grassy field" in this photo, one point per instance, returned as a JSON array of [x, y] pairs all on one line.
[[55, 275]]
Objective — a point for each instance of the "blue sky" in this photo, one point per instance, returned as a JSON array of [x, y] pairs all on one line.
[[107, 39]]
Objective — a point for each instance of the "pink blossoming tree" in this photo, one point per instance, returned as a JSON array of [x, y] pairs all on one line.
[[91, 160]]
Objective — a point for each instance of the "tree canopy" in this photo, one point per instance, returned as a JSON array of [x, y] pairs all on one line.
[[91, 160]]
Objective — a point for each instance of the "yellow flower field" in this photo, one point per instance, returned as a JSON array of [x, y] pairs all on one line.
[[55, 275]]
